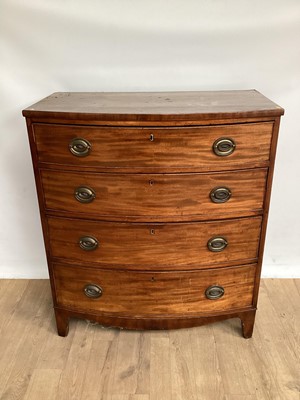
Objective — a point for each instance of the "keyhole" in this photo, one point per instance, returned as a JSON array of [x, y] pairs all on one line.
[[152, 279], [152, 231], [151, 137], [151, 182]]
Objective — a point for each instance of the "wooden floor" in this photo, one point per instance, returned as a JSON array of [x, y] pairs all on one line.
[[212, 362]]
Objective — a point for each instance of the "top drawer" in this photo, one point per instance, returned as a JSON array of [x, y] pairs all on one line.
[[211, 148]]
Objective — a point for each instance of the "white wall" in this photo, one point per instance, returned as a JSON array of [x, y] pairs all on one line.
[[69, 45]]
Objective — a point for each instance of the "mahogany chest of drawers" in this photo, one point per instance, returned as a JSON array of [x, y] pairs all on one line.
[[154, 206]]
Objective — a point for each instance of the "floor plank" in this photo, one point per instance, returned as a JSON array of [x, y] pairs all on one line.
[[284, 297], [242, 397], [280, 357], [43, 384], [205, 364], [11, 293], [232, 352], [55, 353], [212, 362], [23, 339], [132, 366], [160, 377], [183, 383], [74, 374], [100, 367]]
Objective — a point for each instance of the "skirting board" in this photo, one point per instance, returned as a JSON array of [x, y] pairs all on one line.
[[281, 271], [36, 272]]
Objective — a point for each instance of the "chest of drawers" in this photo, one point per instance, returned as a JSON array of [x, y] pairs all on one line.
[[154, 206]]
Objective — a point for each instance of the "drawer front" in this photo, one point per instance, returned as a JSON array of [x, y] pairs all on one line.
[[155, 196], [156, 246], [154, 293], [165, 148]]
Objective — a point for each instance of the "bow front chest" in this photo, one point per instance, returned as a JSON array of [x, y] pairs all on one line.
[[154, 206]]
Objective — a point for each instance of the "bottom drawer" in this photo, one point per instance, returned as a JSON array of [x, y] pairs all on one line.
[[131, 293]]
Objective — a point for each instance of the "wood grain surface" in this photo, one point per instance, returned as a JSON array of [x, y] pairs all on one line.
[[155, 246], [171, 148], [154, 106], [210, 362], [155, 196], [149, 294], [152, 168]]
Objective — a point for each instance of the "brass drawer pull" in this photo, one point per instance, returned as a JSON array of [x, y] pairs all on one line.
[[224, 147], [88, 243], [80, 147], [84, 194], [93, 291], [214, 292], [217, 244], [220, 195]]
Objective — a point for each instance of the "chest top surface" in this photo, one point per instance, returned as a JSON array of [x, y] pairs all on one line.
[[154, 105]]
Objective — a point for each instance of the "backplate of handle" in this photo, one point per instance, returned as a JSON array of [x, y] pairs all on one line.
[[80, 147], [93, 291], [214, 292], [88, 243], [217, 244], [223, 147], [84, 194], [220, 195]]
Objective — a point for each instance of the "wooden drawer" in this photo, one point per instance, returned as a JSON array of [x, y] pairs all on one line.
[[158, 197], [154, 293], [155, 246], [188, 148]]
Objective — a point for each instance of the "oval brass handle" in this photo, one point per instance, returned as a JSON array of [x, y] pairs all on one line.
[[217, 244], [88, 243], [80, 147], [84, 194], [220, 195], [214, 292], [224, 147], [93, 291]]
